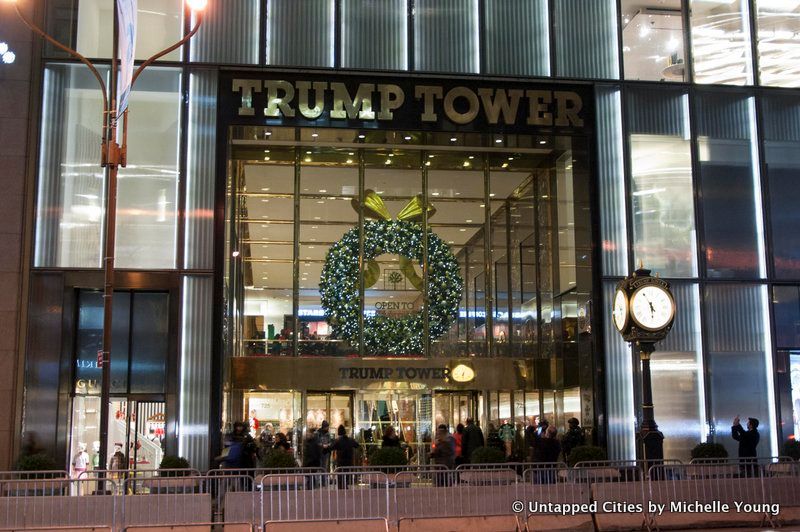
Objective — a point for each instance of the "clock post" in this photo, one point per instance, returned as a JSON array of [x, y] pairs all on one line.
[[644, 311]]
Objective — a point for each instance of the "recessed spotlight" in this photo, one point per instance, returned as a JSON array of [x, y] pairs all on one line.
[[321, 202], [265, 189], [463, 230], [434, 193], [498, 141], [308, 153], [469, 221], [471, 157], [315, 135], [349, 161], [431, 156], [407, 137], [542, 142], [453, 139], [362, 136]]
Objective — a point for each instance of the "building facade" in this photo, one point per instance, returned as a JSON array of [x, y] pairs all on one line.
[[413, 212]]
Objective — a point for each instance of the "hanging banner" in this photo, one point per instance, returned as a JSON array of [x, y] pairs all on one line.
[[126, 16]]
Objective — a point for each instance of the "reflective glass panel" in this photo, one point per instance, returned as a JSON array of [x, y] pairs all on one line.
[[147, 196], [782, 154], [300, 33], [229, 33], [740, 362], [661, 170], [730, 185], [586, 38], [375, 34], [678, 377], [517, 37], [721, 41], [160, 25], [438, 26], [779, 42]]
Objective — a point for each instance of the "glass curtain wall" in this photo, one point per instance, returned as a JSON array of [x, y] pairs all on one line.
[[664, 237], [721, 42], [778, 27], [652, 40], [292, 207]]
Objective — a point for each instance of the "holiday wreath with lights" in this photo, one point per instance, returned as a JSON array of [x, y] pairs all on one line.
[[339, 284]]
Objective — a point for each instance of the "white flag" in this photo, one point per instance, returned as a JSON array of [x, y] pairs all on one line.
[[126, 15]]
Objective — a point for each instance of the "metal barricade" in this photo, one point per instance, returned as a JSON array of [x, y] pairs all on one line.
[[399, 475], [465, 492], [708, 493], [232, 498], [166, 500], [618, 491], [46, 503], [306, 496], [782, 490], [32, 475]]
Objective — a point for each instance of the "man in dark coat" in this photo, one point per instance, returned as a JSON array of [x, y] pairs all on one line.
[[345, 447], [748, 441], [574, 437], [472, 439]]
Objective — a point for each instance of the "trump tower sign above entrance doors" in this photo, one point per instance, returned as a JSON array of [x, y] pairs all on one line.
[[445, 105]]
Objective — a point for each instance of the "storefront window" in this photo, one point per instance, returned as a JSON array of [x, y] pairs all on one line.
[[652, 41], [778, 44], [274, 412], [661, 168], [721, 42]]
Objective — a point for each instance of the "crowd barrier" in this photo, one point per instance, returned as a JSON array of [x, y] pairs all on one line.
[[601, 495]]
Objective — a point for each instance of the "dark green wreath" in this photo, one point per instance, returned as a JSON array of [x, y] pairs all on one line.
[[339, 287]]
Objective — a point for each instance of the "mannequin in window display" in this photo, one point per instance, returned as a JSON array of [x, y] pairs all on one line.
[[80, 462], [254, 424], [95, 454], [506, 434]]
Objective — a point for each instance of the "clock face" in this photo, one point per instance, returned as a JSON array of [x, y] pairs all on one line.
[[462, 373], [652, 307], [620, 313]]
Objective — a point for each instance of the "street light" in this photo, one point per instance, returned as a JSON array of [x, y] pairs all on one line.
[[113, 155]]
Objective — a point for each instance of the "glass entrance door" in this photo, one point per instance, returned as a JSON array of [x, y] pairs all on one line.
[[136, 429], [409, 412], [452, 408], [335, 408]]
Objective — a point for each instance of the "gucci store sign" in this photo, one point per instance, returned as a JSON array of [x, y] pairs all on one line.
[[414, 104]]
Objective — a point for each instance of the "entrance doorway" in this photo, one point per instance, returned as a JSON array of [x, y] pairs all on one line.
[[454, 408], [335, 408]]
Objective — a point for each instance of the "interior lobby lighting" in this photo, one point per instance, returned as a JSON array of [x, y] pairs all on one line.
[[453, 139], [407, 137]]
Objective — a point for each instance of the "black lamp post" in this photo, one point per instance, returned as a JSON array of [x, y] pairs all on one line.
[[644, 311], [113, 156]]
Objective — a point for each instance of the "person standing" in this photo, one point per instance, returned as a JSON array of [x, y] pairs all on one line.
[[325, 440], [748, 441], [472, 439], [506, 435], [390, 438], [345, 447], [443, 454], [546, 451], [459, 439], [530, 437], [241, 447], [574, 437]]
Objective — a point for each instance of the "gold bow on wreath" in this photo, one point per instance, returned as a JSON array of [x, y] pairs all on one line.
[[374, 208]]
